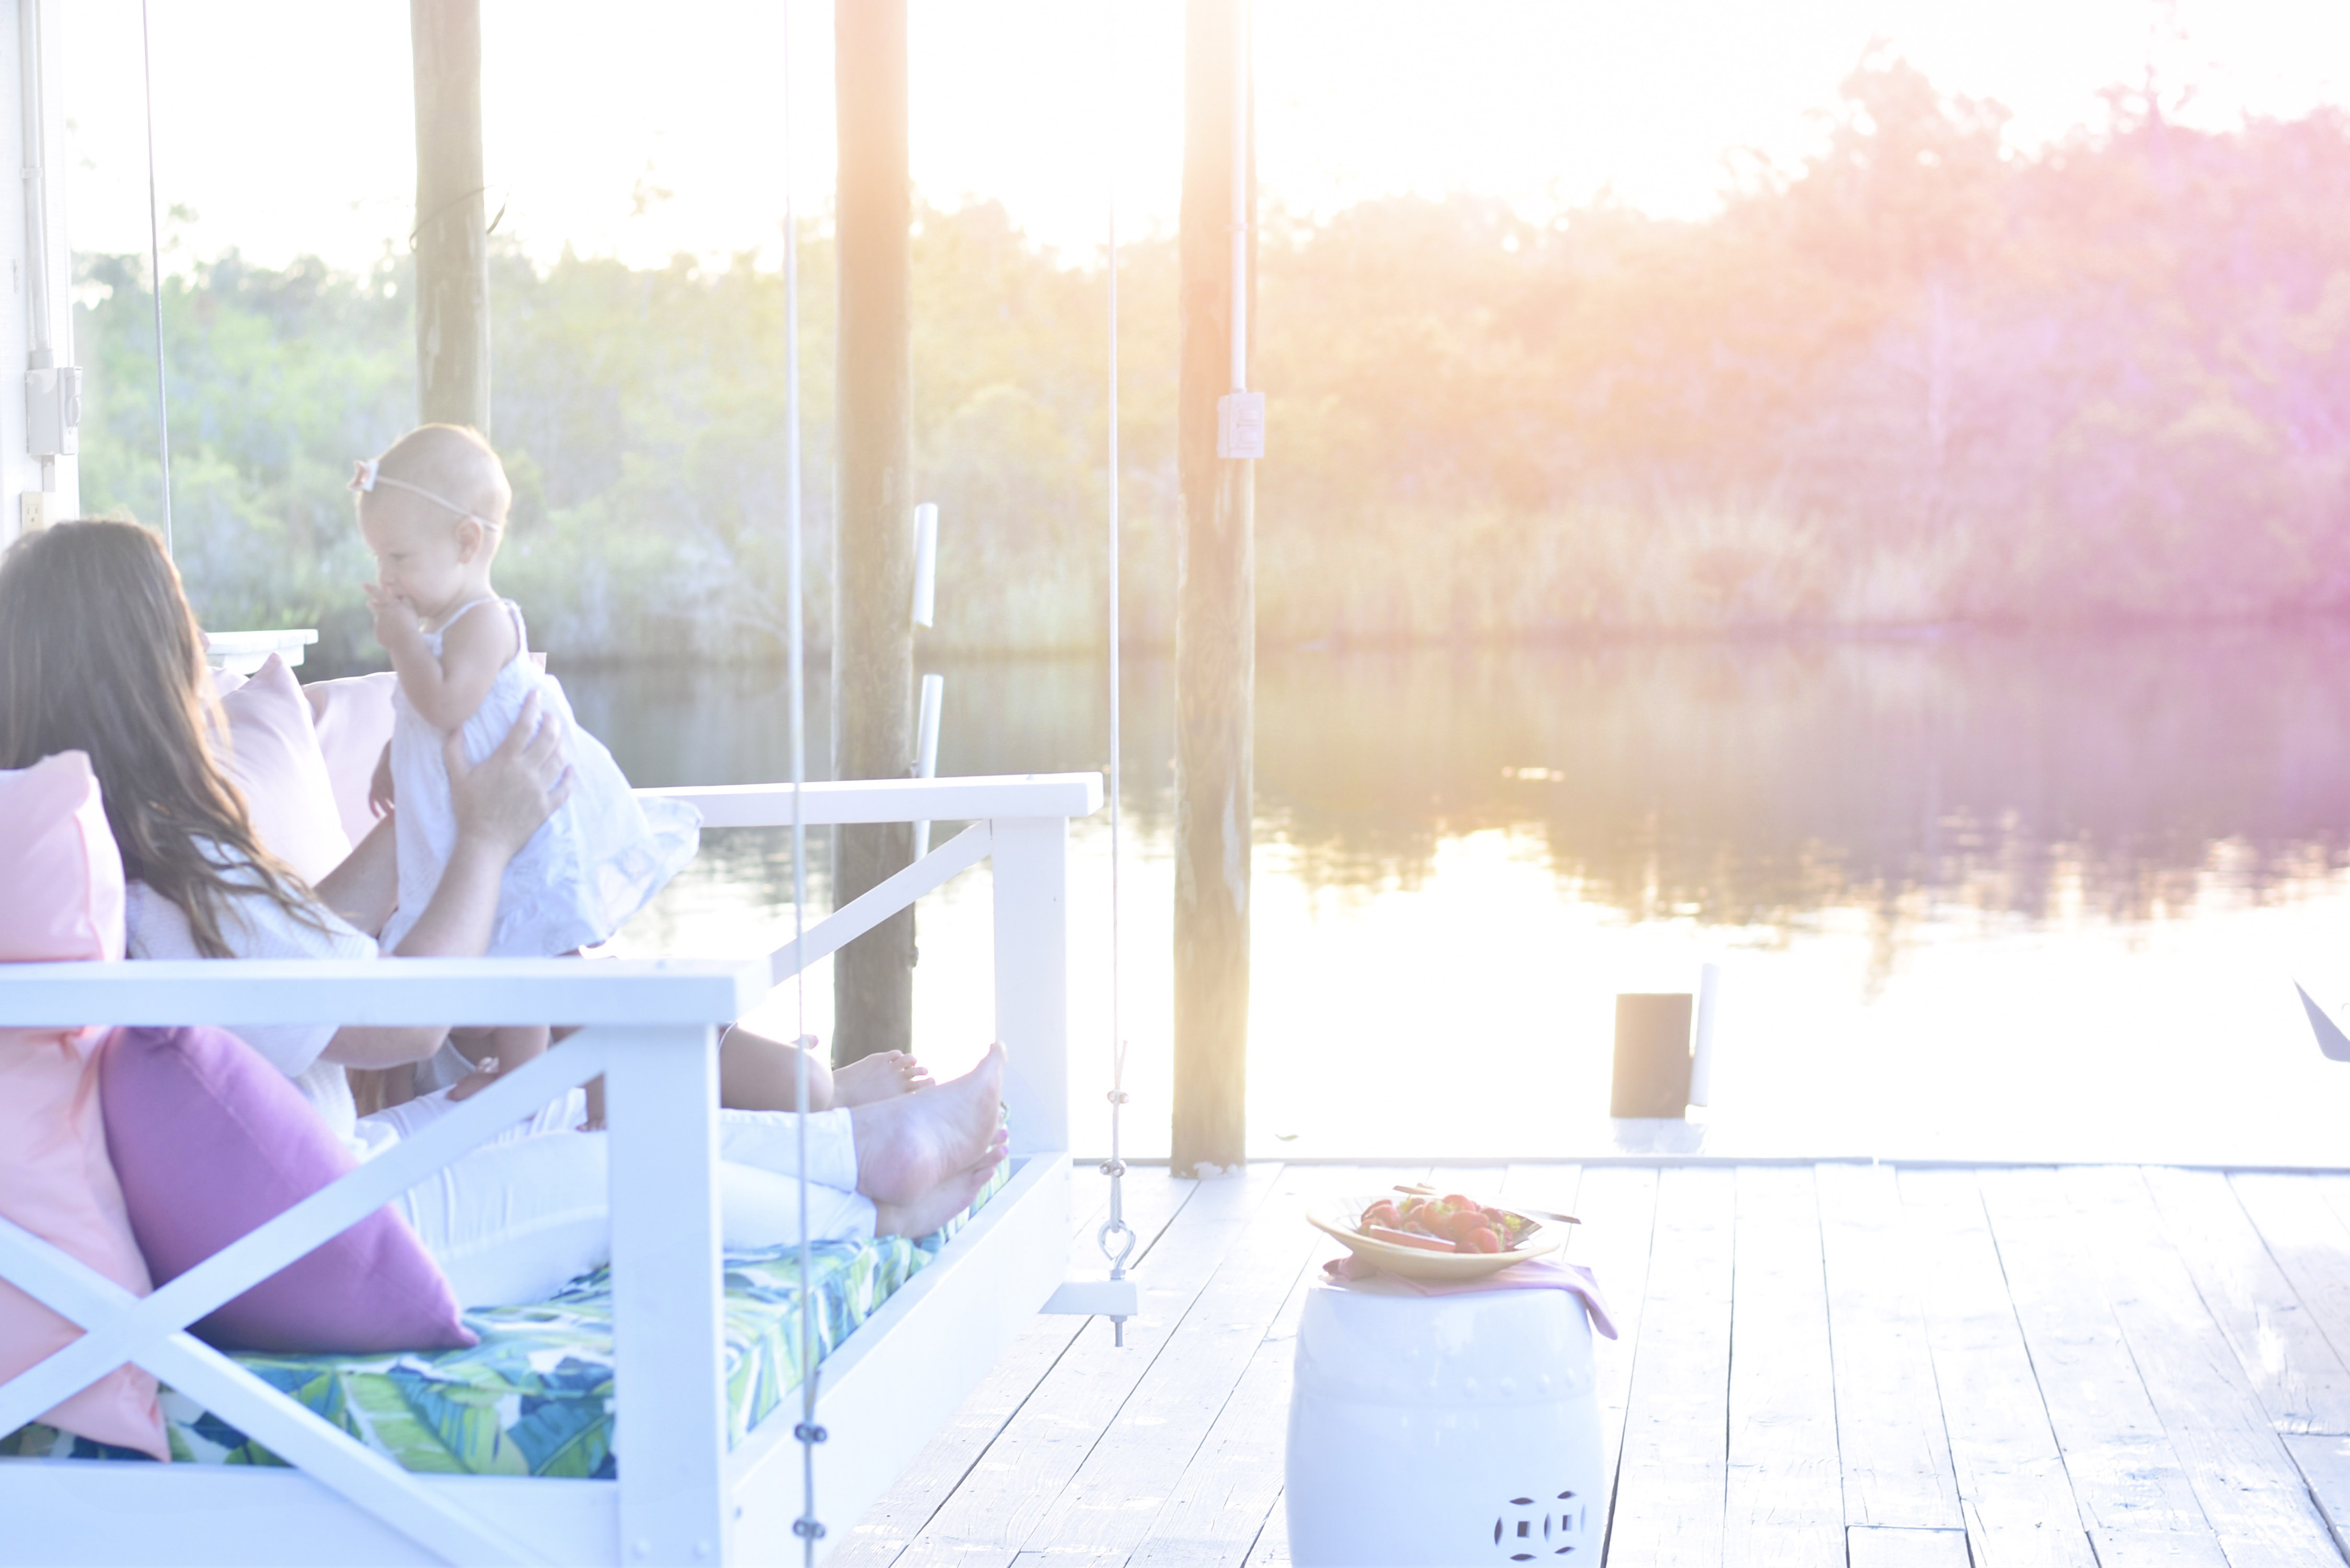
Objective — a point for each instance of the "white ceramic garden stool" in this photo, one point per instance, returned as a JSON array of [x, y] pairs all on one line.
[[1443, 1431]]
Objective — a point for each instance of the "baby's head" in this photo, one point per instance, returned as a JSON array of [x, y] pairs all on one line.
[[433, 509]]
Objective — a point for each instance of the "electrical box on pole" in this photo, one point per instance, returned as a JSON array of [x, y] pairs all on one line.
[[39, 434]]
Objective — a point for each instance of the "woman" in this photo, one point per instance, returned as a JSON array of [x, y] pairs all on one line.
[[100, 653]]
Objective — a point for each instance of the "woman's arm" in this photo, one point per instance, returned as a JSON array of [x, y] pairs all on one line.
[[365, 888], [499, 805]]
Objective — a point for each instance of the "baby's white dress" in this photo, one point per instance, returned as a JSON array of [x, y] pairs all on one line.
[[597, 861]]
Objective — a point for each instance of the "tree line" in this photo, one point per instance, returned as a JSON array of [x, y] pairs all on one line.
[[1923, 376]]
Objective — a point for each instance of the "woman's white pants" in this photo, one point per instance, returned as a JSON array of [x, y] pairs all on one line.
[[513, 1220]]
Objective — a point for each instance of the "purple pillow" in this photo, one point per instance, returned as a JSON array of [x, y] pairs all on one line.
[[211, 1142]]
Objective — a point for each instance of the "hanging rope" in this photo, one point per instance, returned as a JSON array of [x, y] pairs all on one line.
[[1117, 1238], [155, 275], [806, 1527]]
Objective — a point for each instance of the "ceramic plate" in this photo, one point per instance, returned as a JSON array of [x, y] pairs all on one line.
[[1339, 1216]]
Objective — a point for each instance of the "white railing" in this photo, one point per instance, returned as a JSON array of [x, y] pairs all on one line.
[[652, 1029], [242, 653]]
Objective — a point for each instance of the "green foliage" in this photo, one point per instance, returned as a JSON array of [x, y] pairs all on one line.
[[1921, 377], [279, 378]]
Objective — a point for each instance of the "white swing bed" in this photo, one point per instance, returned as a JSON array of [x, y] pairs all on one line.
[[681, 1495]]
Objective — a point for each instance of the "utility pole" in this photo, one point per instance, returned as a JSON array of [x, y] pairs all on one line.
[[873, 558], [451, 238], [1215, 597]]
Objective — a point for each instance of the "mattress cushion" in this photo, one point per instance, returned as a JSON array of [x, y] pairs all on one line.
[[534, 1396]]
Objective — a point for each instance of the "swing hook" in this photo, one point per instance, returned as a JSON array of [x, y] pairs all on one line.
[[1124, 1232]]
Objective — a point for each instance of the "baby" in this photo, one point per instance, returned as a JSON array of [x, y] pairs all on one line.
[[433, 509]]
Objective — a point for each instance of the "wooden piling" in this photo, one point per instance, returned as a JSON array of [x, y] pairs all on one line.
[[1215, 628], [873, 573], [451, 237]]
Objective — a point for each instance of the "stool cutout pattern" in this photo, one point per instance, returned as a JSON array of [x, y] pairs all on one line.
[[1527, 1536]]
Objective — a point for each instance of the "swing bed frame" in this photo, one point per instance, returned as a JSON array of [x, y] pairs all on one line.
[[682, 1495]]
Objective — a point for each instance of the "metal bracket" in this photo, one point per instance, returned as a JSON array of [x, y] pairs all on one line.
[[1096, 1298]]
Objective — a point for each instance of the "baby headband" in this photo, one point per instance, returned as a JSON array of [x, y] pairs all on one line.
[[365, 478]]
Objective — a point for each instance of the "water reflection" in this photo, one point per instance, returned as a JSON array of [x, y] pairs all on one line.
[[2069, 845], [1742, 784]]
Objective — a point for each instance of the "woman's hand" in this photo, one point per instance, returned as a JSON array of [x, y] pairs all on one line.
[[500, 804]]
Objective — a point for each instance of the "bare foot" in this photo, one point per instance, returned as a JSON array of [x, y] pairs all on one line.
[[908, 1144], [943, 1202], [880, 1076]]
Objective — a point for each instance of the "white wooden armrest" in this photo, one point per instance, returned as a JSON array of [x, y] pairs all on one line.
[[385, 990], [894, 800]]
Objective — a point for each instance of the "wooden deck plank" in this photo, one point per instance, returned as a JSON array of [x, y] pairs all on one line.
[[1153, 1197], [2127, 1477], [2012, 1487], [2163, 1323], [2157, 1548], [1551, 1186], [1670, 1484], [1895, 1452], [2324, 1461], [2310, 1243], [2302, 1383], [1008, 1489], [1618, 1205], [1896, 1546], [1272, 1548], [2245, 1481], [1221, 1505], [1483, 1182], [1109, 1507], [1785, 1487]]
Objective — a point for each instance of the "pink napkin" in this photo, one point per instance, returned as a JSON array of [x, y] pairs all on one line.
[[1535, 1274]]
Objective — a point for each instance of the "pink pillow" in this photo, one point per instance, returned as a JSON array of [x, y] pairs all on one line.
[[353, 719], [274, 756], [212, 1142], [54, 840], [64, 902]]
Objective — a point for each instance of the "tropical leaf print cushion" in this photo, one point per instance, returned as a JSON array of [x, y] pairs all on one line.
[[534, 1396]]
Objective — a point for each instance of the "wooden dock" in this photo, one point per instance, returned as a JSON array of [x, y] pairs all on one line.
[[2104, 1366]]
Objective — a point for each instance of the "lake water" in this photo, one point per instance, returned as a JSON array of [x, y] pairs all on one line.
[[1973, 895]]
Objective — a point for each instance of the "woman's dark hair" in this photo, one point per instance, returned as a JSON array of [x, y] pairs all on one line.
[[99, 653]]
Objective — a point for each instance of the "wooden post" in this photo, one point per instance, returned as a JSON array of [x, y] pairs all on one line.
[[873, 561], [451, 238], [1215, 627]]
